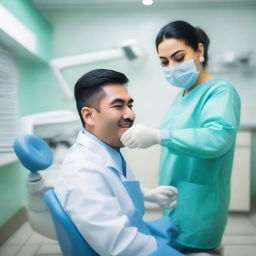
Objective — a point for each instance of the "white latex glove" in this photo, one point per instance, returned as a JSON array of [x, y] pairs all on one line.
[[164, 196], [140, 136]]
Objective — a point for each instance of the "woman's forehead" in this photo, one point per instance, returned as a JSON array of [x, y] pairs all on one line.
[[171, 45]]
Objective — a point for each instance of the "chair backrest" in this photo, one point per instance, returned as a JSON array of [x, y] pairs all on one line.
[[70, 239]]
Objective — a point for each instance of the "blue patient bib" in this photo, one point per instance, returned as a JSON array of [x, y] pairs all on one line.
[[160, 229]]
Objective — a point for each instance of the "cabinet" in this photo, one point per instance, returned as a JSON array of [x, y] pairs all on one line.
[[241, 173]]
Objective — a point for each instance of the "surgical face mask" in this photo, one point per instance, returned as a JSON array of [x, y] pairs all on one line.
[[183, 75]]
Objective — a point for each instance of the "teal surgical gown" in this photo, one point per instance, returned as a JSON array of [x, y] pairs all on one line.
[[198, 140]]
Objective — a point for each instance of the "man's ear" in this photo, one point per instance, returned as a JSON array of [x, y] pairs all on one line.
[[87, 114]]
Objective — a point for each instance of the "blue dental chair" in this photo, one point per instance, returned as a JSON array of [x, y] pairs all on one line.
[[35, 155], [70, 239]]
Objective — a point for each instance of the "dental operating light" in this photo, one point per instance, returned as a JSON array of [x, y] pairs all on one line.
[[129, 49]]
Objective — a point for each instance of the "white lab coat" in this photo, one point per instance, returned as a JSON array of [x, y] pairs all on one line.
[[90, 190]]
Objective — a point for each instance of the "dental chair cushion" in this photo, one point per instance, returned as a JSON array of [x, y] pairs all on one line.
[[33, 152]]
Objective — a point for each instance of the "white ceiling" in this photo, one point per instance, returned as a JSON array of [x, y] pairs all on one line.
[[120, 3]]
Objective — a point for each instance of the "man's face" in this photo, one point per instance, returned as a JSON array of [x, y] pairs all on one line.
[[115, 115]]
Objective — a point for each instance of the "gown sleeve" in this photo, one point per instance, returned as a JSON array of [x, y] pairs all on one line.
[[219, 121], [94, 209]]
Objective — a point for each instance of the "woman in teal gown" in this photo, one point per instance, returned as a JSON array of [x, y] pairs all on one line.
[[197, 137]]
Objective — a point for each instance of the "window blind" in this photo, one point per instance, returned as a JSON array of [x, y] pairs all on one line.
[[8, 100]]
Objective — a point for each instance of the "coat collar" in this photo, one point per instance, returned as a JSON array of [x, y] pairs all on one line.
[[111, 156]]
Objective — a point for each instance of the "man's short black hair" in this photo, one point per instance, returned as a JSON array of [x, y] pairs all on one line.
[[89, 86]]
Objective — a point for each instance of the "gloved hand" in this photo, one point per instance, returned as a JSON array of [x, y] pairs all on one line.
[[140, 136], [164, 196]]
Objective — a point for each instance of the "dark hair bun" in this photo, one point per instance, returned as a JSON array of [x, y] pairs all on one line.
[[182, 30]]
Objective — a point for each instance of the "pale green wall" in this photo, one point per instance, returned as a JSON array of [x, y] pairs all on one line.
[[38, 91], [88, 30], [12, 189], [230, 27]]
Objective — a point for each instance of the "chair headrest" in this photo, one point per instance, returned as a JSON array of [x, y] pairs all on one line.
[[33, 152]]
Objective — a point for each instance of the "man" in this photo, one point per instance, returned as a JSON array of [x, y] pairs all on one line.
[[96, 187]]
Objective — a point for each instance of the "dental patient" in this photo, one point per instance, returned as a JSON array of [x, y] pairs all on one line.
[[96, 187]]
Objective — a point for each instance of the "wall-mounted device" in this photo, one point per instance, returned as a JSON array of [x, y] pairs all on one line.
[[243, 61]]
